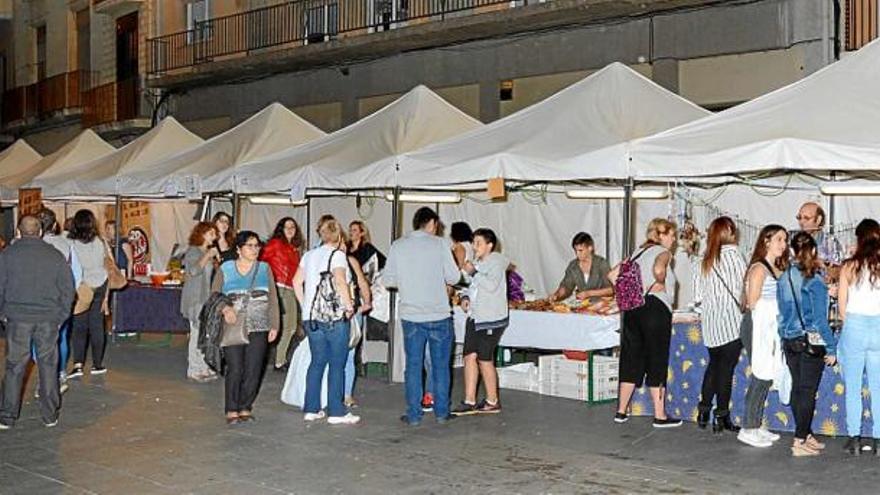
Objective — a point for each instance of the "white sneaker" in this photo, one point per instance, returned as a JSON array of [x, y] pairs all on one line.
[[769, 435], [63, 388], [753, 438], [348, 419], [314, 416], [4, 426]]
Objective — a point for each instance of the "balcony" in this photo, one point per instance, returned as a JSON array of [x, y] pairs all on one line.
[[115, 108], [59, 94], [861, 23], [113, 7]]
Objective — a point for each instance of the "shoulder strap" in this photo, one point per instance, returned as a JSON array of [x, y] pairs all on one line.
[[633, 258], [769, 268], [796, 304], [726, 287], [254, 276]]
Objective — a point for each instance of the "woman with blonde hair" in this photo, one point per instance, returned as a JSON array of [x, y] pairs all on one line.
[[718, 286], [321, 285], [644, 339]]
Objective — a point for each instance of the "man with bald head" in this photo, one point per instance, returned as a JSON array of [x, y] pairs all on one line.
[[811, 219], [36, 294]]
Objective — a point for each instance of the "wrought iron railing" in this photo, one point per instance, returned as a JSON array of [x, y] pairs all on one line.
[[296, 23]]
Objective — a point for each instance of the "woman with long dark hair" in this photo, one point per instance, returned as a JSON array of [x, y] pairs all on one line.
[[769, 260], [859, 346], [718, 288], [225, 237], [282, 253], [88, 325], [807, 339]]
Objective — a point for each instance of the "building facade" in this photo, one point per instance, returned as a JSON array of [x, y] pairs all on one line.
[[114, 64]]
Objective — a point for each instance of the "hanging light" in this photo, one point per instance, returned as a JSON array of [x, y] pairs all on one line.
[[276, 200], [616, 193], [850, 190], [427, 198]]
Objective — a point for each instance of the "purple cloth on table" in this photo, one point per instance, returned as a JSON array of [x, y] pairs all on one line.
[[515, 287], [141, 308]]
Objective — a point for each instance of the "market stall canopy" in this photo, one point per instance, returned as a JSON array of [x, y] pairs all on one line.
[[98, 177], [85, 147], [573, 134], [346, 158], [272, 129], [826, 121], [15, 160]]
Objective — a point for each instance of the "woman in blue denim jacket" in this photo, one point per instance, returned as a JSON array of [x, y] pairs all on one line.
[[803, 309]]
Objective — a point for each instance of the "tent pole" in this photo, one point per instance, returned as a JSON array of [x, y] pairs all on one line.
[[392, 300], [831, 207], [607, 229], [628, 187], [308, 224], [114, 303], [236, 211]]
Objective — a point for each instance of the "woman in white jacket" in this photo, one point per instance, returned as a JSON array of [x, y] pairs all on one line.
[[486, 303]]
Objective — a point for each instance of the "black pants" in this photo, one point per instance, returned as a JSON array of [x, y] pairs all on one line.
[[644, 344], [19, 336], [718, 379], [88, 328], [244, 371], [806, 373]]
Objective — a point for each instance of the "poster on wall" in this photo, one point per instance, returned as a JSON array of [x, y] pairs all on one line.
[[30, 200], [136, 229]]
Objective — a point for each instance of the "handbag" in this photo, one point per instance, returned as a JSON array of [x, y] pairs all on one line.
[[84, 297], [115, 278], [355, 333], [237, 333], [810, 342], [326, 305]]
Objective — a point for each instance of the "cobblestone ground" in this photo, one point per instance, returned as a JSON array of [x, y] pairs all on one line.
[[143, 429]]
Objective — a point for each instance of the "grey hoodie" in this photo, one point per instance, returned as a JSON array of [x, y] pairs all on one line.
[[488, 292]]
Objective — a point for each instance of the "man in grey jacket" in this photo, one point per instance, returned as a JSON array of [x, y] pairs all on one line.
[[36, 294], [420, 266]]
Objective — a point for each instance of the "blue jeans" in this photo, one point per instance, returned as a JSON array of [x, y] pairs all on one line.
[[349, 374], [329, 345], [859, 348], [439, 336]]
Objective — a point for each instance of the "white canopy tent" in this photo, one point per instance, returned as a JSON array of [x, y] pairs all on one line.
[[15, 160], [574, 134], [826, 121], [88, 178], [415, 120], [272, 129], [83, 148]]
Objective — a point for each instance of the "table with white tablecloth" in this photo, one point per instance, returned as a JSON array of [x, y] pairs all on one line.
[[553, 331]]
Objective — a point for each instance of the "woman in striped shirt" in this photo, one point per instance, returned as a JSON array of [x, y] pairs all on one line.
[[718, 285]]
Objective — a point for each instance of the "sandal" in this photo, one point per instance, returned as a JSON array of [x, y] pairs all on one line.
[[232, 419], [800, 448], [814, 443], [245, 416]]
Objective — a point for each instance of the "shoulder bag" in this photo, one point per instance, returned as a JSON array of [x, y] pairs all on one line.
[[115, 278], [326, 305], [237, 333]]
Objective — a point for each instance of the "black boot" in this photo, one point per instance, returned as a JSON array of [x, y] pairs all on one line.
[[722, 422], [852, 446], [703, 419]]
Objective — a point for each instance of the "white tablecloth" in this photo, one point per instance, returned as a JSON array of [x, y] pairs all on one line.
[[553, 331]]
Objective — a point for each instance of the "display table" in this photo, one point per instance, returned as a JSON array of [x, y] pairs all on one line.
[[553, 331], [144, 308], [688, 359]]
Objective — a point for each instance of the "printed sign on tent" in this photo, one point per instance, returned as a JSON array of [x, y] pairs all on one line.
[[30, 201]]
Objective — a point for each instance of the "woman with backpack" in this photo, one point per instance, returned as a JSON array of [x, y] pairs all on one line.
[[769, 261], [718, 285], [807, 339], [647, 283], [321, 286]]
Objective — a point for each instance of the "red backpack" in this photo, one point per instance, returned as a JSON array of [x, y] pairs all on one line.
[[629, 292]]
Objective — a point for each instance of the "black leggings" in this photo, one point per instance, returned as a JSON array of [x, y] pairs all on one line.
[[644, 344], [88, 328], [718, 379]]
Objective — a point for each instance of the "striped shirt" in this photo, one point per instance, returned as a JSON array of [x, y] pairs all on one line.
[[721, 312]]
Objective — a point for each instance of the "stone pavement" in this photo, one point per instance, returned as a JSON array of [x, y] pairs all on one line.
[[143, 429]]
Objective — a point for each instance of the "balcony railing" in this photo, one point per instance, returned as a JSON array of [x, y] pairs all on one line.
[[53, 94], [861, 23], [296, 23], [113, 102]]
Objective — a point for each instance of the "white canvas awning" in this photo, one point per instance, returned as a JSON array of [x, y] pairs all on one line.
[[346, 158], [85, 147], [15, 160], [826, 121], [574, 134], [90, 178], [272, 129]]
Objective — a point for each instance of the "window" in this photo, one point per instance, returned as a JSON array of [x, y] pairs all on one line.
[[197, 17]]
